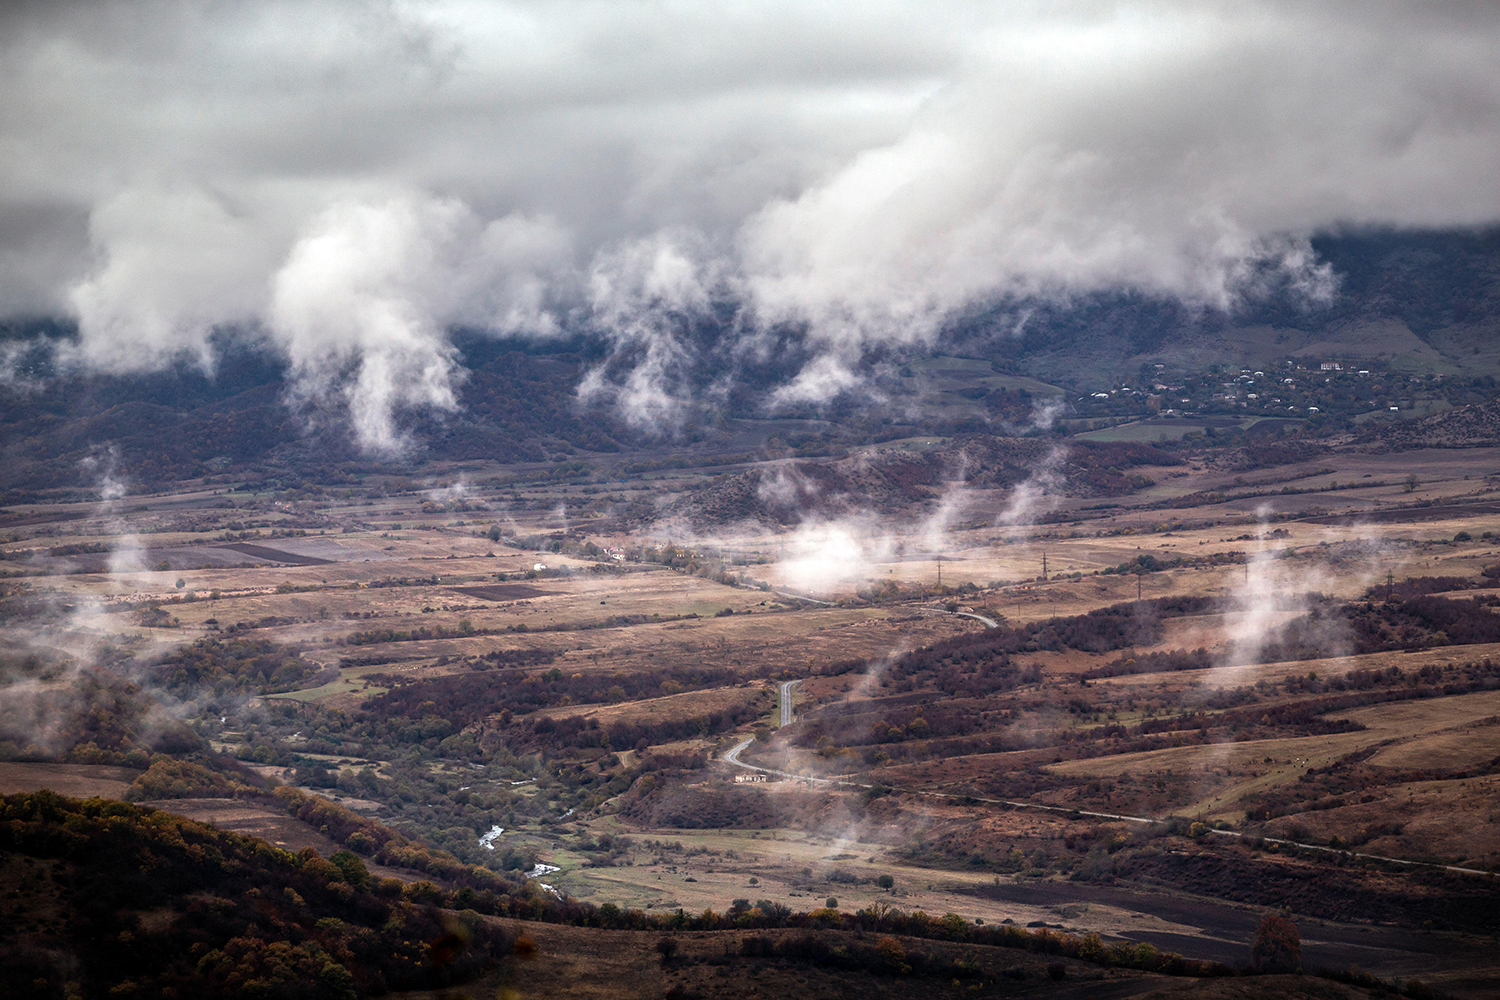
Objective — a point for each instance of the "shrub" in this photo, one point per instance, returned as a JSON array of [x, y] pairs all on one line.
[[892, 956], [1277, 946]]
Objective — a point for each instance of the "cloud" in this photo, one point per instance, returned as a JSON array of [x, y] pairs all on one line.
[[1184, 156], [171, 266], [352, 309], [362, 305], [643, 297], [821, 555], [352, 180]]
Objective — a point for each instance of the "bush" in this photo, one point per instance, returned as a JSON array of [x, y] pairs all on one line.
[[1277, 946], [892, 956]]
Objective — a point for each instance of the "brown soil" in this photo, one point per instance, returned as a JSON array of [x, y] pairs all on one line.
[[275, 555], [503, 592], [257, 821]]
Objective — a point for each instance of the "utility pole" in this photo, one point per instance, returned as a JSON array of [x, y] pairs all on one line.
[[1044, 564], [940, 569], [1138, 586]]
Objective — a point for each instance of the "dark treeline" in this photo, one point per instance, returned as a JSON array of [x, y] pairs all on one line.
[[578, 731], [463, 698], [1101, 630], [1422, 586], [979, 663], [1152, 663], [233, 665], [1419, 623]]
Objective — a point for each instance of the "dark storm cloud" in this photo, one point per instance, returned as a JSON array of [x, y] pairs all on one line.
[[351, 179]]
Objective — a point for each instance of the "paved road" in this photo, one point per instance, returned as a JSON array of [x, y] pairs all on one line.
[[786, 701], [802, 597], [733, 755], [969, 614]]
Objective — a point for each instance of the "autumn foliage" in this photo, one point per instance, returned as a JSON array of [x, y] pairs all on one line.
[[1277, 946]]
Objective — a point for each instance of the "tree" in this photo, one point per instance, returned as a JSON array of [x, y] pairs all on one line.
[[892, 956], [667, 948], [833, 903], [1277, 946], [885, 881]]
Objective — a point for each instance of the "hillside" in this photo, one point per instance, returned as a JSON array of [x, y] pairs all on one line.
[[892, 480], [110, 899], [1473, 426], [1426, 302]]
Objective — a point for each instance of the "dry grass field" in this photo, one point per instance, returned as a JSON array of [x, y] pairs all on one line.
[[74, 780]]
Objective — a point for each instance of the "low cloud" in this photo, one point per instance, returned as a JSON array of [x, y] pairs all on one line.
[[822, 555], [643, 298], [352, 183]]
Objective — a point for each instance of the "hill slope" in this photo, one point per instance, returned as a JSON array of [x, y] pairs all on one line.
[[107, 898]]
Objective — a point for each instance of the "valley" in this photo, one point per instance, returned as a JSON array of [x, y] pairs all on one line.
[[1150, 719]]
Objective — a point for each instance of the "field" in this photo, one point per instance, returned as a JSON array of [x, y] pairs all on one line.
[[1196, 701], [77, 780]]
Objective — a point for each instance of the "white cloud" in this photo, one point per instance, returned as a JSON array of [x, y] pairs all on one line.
[[362, 303], [863, 171], [172, 265], [642, 296]]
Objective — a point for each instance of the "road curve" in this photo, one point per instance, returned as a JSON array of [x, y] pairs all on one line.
[[733, 755], [990, 622]]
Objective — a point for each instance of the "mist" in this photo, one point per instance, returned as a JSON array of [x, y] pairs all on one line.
[[349, 183], [70, 655]]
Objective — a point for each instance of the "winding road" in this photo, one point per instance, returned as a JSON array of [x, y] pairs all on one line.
[[990, 622], [732, 755], [786, 701]]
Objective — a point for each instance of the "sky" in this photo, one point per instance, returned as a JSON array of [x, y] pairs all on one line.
[[350, 181]]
